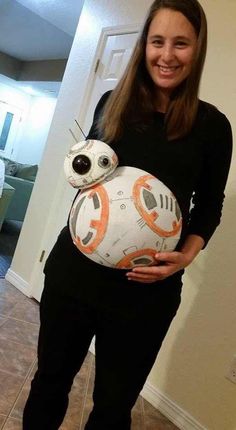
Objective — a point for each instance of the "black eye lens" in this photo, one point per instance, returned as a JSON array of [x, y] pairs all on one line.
[[81, 164], [104, 161]]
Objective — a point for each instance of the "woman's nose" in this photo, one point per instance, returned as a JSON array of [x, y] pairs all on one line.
[[167, 52]]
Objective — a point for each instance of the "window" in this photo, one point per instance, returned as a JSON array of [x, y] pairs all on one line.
[[5, 130]]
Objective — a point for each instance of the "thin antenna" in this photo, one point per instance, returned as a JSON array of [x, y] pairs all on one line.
[[80, 128], [76, 140]]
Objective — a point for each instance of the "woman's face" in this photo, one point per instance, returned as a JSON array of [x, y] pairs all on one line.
[[170, 49]]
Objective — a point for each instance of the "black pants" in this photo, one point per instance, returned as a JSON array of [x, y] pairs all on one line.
[[129, 326]]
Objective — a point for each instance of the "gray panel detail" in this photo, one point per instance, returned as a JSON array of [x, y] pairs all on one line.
[[86, 240], [149, 199]]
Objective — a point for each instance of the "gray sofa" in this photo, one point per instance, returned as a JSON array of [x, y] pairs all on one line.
[[20, 177]]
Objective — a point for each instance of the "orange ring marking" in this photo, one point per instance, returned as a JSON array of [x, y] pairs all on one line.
[[126, 262], [99, 225], [150, 218]]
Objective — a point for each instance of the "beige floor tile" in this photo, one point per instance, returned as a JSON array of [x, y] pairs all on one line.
[[2, 320], [17, 411], [137, 415], [74, 413], [15, 357], [87, 409], [137, 420], [27, 310], [12, 424], [20, 332], [154, 420], [8, 292], [2, 420], [6, 307], [10, 388], [88, 404]]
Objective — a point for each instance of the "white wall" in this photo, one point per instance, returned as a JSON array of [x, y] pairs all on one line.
[[36, 114], [30, 145], [196, 354], [12, 95]]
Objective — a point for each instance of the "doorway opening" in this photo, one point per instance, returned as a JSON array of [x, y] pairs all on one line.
[[33, 61]]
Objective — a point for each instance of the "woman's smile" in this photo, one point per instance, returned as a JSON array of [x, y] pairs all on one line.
[[167, 70]]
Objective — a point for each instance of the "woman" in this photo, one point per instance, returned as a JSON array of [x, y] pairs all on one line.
[[155, 121]]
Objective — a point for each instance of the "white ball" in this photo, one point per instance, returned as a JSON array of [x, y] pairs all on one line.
[[124, 220]]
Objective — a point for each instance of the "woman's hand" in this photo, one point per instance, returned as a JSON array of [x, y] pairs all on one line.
[[168, 263]]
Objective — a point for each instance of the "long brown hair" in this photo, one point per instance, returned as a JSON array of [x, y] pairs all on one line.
[[133, 99]]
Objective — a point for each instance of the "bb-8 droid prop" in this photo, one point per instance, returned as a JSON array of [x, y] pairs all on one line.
[[122, 215]]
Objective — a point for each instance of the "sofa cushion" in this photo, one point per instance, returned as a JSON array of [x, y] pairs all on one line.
[[27, 171], [23, 171]]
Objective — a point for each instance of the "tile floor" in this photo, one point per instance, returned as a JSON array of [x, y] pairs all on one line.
[[19, 324]]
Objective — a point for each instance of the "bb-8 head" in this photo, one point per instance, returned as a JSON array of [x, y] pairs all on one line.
[[89, 162]]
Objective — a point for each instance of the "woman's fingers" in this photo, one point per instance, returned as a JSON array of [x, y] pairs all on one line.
[[167, 264]]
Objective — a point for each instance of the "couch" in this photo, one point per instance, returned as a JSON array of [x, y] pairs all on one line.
[[21, 178]]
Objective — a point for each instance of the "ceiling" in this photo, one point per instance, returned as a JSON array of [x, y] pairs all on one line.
[[36, 30]]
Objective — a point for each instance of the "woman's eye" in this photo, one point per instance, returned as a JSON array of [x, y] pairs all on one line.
[[181, 44], [157, 42]]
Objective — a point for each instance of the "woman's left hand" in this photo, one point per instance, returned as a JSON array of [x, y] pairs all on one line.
[[167, 263]]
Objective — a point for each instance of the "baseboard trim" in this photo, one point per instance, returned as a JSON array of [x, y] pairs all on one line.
[[92, 346], [18, 282], [171, 410]]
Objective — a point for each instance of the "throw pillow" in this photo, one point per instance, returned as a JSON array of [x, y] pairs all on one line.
[[10, 166]]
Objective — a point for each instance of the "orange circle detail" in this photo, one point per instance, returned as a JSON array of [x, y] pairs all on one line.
[[126, 262], [99, 225]]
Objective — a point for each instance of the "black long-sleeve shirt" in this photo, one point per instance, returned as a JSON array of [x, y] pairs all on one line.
[[195, 168]]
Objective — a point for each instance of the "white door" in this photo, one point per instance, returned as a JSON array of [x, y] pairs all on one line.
[[115, 51]]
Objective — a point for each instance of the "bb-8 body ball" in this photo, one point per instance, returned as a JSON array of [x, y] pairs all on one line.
[[122, 215]]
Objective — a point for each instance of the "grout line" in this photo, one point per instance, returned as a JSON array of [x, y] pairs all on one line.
[[4, 422], [18, 319], [143, 421], [86, 390], [21, 389], [8, 339], [26, 345]]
